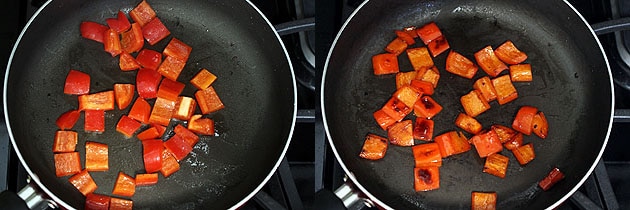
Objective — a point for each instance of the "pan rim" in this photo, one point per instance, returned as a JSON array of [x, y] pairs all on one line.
[[380, 203], [56, 201]]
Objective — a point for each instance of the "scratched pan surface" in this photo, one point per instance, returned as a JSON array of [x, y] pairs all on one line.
[[571, 85], [230, 38]]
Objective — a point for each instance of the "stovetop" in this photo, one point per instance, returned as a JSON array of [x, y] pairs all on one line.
[[309, 165]]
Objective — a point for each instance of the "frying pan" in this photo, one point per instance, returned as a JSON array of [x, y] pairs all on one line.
[[230, 38], [571, 84]]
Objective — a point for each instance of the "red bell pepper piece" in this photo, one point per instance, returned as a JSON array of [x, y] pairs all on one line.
[[396, 109], [123, 94], [438, 46], [92, 30], [160, 128], [468, 123], [383, 119], [429, 32], [386, 63], [452, 143], [170, 89], [427, 155], [431, 75], [524, 154], [202, 126], [152, 154], [459, 65], [489, 62], [514, 142], [171, 67], [154, 31], [66, 164], [506, 91], [509, 54], [68, 119], [496, 164], [132, 41], [169, 164], [396, 46], [127, 126], [487, 143], [408, 95], [208, 100], [177, 49], [65, 141], [540, 125], [120, 204], [401, 133], [77, 83], [97, 101], [140, 111], [405, 78], [84, 183], [95, 201], [426, 107], [120, 23], [189, 137], [184, 108], [474, 104], [423, 129], [483, 200], [147, 82], [521, 73], [150, 133], [504, 133], [405, 37], [162, 111], [203, 79], [426, 178], [523, 120], [94, 121], [96, 156], [127, 62], [486, 88], [426, 88], [178, 147], [125, 185], [374, 147], [111, 42], [143, 13], [146, 179], [419, 58], [149, 59], [411, 30], [554, 176]]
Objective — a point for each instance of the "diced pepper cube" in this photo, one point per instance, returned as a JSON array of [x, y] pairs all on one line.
[[514, 142], [208, 100], [540, 126], [488, 61], [419, 58], [459, 65], [127, 126], [404, 78], [374, 147], [426, 178], [521, 73], [97, 101], [426, 88], [184, 108], [401, 133], [431, 75], [125, 185], [429, 32], [123, 94], [203, 79], [65, 141], [66, 164], [438, 46], [383, 119], [96, 156], [411, 30], [554, 176], [84, 183], [94, 121], [171, 67], [408, 95], [177, 49], [486, 89], [111, 42], [170, 89], [169, 164], [487, 143], [77, 83], [154, 31], [120, 23], [149, 59], [427, 155], [95, 201], [386, 63], [484, 200], [127, 62], [146, 179], [496, 164], [452, 143], [468, 123], [474, 104], [189, 137], [140, 111], [503, 132], [132, 40], [150, 133], [426, 107], [405, 37], [506, 91], [423, 129], [202, 126], [147, 82], [524, 154], [152, 154], [120, 204], [67, 120], [178, 147], [523, 121], [142, 13], [509, 54], [396, 109], [92, 30], [396, 46], [162, 111]]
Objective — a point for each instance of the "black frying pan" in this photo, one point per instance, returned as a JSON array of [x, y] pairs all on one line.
[[572, 85], [230, 38]]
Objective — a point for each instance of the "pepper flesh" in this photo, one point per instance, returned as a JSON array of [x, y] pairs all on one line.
[[125, 185], [84, 182], [401, 133], [96, 156], [77, 83], [426, 178], [152, 155], [374, 147]]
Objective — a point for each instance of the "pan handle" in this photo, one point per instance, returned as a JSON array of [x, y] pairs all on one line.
[[344, 197], [610, 26], [29, 197], [307, 24]]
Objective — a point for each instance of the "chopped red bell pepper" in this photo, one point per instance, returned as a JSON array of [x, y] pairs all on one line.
[[488, 61], [132, 41], [405, 78], [65, 141], [496, 164], [94, 121], [554, 176], [408, 95], [127, 62], [208, 100], [514, 142], [523, 120], [203, 79], [524, 154], [154, 31], [96, 156], [68, 119], [77, 83], [431, 75], [120, 23], [427, 155], [504, 133], [401, 133], [152, 154], [142, 13], [170, 89], [177, 49], [184, 108], [95, 201], [509, 54], [419, 58], [178, 147], [111, 42], [386, 63], [84, 183], [160, 128], [468, 123], [429, 32], [374, 147], [487, 143], [202, 126], [411, 30], [396, 109], [149, 59], [125, 185], [423, 129], [426, 178], [486, 89], [97, 101], [147, 82], [140, 111], [189, 137], [521, 73], [426, 107], [383, 119], [483, 200], [506, 91], [459, 65], [92, 30], [150, 133], [438, 46], [540, 125], [146, 179], [127, 126], [123, 94], [68, 163], [171, 67], [162, 111], [169, 164], [474, 104], [452, 143], [120, 204], [426, 88], [396, 46], [405, 37]]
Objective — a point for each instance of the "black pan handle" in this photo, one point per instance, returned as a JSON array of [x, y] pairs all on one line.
[[610, 26], [307, 24]]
